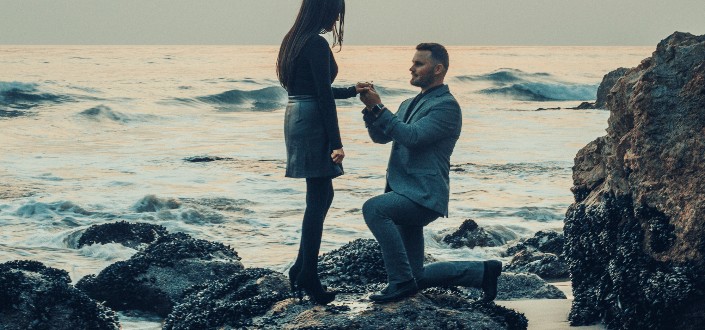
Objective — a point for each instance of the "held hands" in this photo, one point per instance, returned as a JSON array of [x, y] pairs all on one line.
[[370, 97]]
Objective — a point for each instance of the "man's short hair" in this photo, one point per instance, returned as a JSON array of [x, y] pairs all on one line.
[[438, 52]]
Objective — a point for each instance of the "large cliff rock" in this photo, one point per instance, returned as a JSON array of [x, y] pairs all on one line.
[[608, 81], [635, 237], [33, 296]]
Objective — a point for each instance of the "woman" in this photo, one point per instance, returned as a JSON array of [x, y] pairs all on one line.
[[306, 69]]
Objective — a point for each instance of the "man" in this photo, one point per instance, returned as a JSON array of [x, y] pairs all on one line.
[[424, 132]]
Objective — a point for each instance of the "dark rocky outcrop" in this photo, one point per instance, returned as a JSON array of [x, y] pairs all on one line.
[[422, 311], [471, 235], [546, 265], [541, 255], [543, 241], [33, 296], [513, 286], [154, 280], [635, 236], [230, 302], [353, 267], [131, 234]]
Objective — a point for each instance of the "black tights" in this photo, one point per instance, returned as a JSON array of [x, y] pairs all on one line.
[[319, 196]]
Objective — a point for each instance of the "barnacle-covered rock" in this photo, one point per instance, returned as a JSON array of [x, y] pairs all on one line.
[[33, 296], [155, 279], [230, 302], [135, 235], [635, 236]]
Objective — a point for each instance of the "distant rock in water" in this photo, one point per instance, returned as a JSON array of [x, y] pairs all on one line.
[[230, 302], [471, 235], [154, 280], [205, 159], [635, 236], [33, 296], [102, 112], [133, 235], [265, 99], [152, 203]]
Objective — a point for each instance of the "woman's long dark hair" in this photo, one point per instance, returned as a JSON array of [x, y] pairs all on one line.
[[315, 17]]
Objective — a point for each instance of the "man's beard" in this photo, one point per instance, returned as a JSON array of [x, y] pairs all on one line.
[[422, 81]]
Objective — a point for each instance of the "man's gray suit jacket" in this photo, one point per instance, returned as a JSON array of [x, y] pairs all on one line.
[[420, 159]]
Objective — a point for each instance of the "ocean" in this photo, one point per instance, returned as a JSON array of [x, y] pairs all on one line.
[[89, 133]]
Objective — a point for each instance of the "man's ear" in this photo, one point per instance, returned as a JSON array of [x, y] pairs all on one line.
[[438, 69]]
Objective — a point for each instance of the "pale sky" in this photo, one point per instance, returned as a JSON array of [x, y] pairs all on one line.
[[368, 22]]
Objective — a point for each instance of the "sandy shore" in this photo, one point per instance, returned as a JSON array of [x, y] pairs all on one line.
[[548, 314]]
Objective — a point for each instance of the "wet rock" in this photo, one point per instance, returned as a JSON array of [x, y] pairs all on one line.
[[545, 265], [471, 235], [512, 286], [635, 236], [422, 311], [134, 235], [353, 267], [544, 241], [33, 296], [231, 302], [205, 159], [152, 203], [155, 279]]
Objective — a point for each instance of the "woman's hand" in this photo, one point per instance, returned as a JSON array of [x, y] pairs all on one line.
[[338, 155], [362, 87]]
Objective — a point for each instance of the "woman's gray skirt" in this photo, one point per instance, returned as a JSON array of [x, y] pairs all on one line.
[[307, 147]]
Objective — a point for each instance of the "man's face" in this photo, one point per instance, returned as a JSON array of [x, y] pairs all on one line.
[[422, 69]]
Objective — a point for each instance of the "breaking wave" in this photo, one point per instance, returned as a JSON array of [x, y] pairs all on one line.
[[526, 86], [265, 99], [15, 96]]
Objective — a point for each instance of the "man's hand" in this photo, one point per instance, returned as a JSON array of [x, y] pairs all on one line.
[[337, 155], [370, 98]]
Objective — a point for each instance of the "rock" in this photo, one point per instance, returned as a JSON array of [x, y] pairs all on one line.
[[471, 235], [422, 311], [152, 203], [355, 267], [635, 236], [230, 302], [511, 286], [544, 241], [154, 280], [134, 235], [608, 81], [33, 296], [545, 265], [205, 159]]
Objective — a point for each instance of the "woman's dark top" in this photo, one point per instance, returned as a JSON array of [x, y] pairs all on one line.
[[314, 72]]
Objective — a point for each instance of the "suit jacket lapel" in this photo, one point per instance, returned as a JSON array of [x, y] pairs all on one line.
[[433, 94]]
